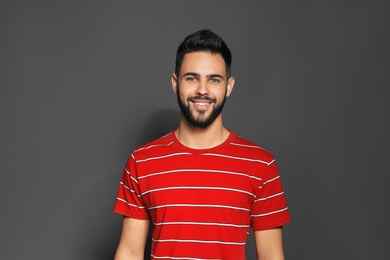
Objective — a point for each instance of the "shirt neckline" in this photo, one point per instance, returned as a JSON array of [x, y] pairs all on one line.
[[223, 145]]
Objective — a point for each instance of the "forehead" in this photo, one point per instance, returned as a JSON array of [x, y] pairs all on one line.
[[203, 63]]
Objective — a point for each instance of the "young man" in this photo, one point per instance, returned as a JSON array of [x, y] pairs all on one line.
[[201, 185]]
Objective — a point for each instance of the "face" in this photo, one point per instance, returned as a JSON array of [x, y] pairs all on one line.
[[202, 87]]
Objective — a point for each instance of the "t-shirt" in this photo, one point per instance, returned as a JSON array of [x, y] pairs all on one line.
[[202, 202]]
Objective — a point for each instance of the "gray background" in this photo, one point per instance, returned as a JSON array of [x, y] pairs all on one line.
[[82, 84]]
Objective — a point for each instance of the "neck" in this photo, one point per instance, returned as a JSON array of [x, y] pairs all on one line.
[[201, 138]]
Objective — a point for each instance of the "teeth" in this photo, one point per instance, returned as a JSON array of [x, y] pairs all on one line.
[[201, 104]]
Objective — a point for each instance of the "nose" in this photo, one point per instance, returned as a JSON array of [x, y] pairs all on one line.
[[202, 89]]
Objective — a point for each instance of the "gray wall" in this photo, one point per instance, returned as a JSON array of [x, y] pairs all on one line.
[[84, 83]]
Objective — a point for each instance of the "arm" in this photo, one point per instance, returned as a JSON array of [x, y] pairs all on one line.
[[269, 244], [133, 239]]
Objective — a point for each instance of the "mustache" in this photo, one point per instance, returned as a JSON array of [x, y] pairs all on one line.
[[201, 98]]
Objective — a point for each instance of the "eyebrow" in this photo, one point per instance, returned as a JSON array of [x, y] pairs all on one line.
[[194, 74], [191, 74], [214, 76]]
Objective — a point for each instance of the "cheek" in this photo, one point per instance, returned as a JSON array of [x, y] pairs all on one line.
[[183, 98], [219, 94], [184, 93]]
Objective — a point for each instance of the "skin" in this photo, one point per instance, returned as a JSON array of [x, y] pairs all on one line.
[[204, 74], [269, 244], [201, 74], [133, 239]]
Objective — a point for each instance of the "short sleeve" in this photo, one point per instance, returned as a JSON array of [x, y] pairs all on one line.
[[129, 200], [270, 207]]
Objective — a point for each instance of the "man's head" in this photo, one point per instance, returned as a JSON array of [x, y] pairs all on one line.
[[204, 41], [202, 77]]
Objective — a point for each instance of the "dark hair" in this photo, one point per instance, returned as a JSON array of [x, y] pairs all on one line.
[[204, 40]]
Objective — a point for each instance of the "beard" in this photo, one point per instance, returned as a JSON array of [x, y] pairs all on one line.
[[200, 121]]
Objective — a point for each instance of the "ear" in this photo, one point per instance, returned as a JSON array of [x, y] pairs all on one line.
[[230, 86], [174, 82]]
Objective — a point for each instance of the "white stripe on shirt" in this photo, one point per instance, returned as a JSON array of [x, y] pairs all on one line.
[[184, 258], [270, 213], [198, 188], [132, 205], [250, 146], [162, 157], [156, 145], [202, 223], [198, 205], [271, 180], [236, 158], [200, 170], [199, 241], [275, 195], [134, 179], [126, 187]]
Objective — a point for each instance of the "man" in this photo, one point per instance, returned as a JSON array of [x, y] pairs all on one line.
[[201, 185]]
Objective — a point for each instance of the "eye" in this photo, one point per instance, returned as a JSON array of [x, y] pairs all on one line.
[[191, 79], [214, 80]]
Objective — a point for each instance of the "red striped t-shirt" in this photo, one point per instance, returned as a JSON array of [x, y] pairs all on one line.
[[202, 202]]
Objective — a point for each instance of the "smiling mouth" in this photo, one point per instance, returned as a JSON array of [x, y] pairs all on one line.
[[201, 103], [201, 99]]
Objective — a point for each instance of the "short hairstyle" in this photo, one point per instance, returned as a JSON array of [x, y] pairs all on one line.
[[207, 41]]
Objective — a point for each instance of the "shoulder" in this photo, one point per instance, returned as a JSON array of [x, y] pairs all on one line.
[[154, 147], [250, 149]]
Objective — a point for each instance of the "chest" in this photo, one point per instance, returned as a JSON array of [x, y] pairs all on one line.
[[198, 180]]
